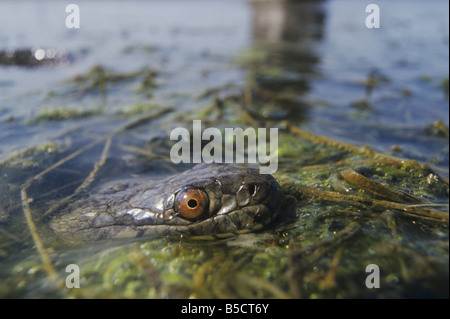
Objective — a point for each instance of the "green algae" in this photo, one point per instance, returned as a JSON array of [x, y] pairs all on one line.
[[321, 252], [64, 113]]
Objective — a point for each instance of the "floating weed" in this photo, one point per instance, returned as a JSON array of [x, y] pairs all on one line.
[[64, 113], [148, 81], [139, 48], [438, 128], [33, 157], [137, 109], [99, 79], [251, 56], [362, 104]]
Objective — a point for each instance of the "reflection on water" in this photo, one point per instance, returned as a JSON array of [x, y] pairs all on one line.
[[287, 32], [274, 22], [369, 86]]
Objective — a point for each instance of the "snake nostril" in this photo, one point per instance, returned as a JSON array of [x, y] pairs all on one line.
[[252, 189]]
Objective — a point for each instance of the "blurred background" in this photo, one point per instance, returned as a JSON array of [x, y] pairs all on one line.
[[386, 88]]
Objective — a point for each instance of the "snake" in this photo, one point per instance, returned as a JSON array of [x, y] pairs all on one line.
[[212, 200]]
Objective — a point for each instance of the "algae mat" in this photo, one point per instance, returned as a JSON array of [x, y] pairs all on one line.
[[353, 208]]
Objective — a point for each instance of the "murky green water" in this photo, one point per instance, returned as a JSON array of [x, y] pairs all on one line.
[[313, 70]]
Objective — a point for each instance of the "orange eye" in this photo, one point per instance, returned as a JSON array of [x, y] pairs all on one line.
[[191, 203]]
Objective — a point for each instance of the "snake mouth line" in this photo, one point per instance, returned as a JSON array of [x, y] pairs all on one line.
[[237, 222]]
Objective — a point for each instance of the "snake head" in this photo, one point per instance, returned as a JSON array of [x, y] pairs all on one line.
[[213, 200]]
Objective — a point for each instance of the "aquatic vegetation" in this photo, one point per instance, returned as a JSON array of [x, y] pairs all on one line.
[[64, 113], [100, 80], [137, 109], [353, 207], [348, 205], [438, 128]]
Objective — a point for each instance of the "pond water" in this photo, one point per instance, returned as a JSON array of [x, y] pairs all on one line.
[[330, 49], [311, 65]]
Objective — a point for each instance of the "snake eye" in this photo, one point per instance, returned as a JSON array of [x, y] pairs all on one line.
[[191, 203]]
